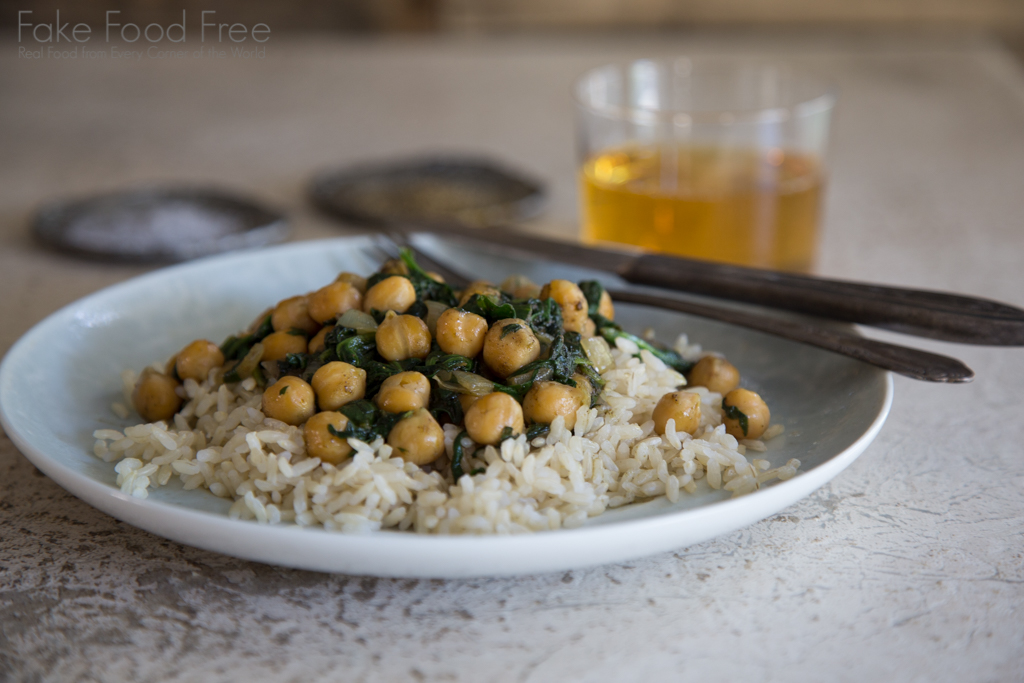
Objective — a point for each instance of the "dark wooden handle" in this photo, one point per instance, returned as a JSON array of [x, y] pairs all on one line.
[[938, 315], [913, 363], [905, 361]]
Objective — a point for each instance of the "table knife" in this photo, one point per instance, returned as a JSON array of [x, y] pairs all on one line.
[[932, 314]]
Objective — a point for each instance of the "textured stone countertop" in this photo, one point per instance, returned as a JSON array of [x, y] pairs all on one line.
[[908, 567]]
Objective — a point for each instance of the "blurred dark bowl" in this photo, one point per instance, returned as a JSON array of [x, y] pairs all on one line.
[[467, 190], [157, 224]]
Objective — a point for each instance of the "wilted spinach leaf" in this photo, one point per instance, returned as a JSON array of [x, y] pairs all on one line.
[[418, 309], [734, 413], [611, 331], [427, 288], [366, 421], [235, 348], [537, 429], [592, 289], [490, 309], [293, 363], [457, 456], [543, 315], [510, 329], [565, 358]]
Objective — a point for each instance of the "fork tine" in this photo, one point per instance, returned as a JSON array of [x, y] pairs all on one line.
[[383, 248], [451, 276]]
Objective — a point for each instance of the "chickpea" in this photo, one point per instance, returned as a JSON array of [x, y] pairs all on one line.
[[434, 311], [318, 342], [681, 406], [467, 401], [479, 287], [289, 400], [584, 388], [395, 293], [402, 336], [197, 359], [404, 391], [571, 300], [357, 281], [605, 307], [717, 374], [751, 405], [418, 438], [293, 314], [509, 345], [333, 300], [320, 443], [488, 418], [154, 396], [588, 328], [255, 324], [395, 266], [338, 383], [520, 287], [461, 332], [547, 400], [277, 345]]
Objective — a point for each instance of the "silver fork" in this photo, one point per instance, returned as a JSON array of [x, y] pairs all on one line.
[[389, 245], [903, 360]]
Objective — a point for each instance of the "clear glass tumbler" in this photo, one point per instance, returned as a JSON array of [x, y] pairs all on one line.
[[711, 158]]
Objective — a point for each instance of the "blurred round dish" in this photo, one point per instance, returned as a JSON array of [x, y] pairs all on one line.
[[158, 224], [428, 190]]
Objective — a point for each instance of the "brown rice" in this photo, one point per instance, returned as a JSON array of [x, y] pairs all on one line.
[[221, 441]]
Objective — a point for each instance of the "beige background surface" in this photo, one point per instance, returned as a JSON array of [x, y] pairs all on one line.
[[909, 566], [506, 14], [459, 16]]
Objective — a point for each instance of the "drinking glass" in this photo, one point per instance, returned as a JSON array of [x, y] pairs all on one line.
[[712, 158]]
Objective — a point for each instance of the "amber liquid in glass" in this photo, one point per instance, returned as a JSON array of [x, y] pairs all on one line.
[[750, 207]]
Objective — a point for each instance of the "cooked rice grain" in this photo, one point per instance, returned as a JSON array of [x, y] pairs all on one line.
[[221, 441]]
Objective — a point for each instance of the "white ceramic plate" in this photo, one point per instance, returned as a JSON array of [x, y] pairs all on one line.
[[58, 381]]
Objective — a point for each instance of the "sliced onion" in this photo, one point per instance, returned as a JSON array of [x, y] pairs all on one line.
[[248, 364], [358, 321], [473, 384], [434, 311], [598, 352], [541, 374], [462, 382], [545, 340], [445, 380], [271, 370]]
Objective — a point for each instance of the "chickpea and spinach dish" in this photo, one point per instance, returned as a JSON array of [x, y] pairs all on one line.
[[399, 401]]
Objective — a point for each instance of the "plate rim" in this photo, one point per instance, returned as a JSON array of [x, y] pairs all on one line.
[[229, 536]]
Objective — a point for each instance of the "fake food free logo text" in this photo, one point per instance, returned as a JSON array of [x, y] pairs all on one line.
[[209, 28], [61, 39]]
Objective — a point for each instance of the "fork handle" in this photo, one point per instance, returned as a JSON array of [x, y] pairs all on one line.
[[929, 314], [906, 361]]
